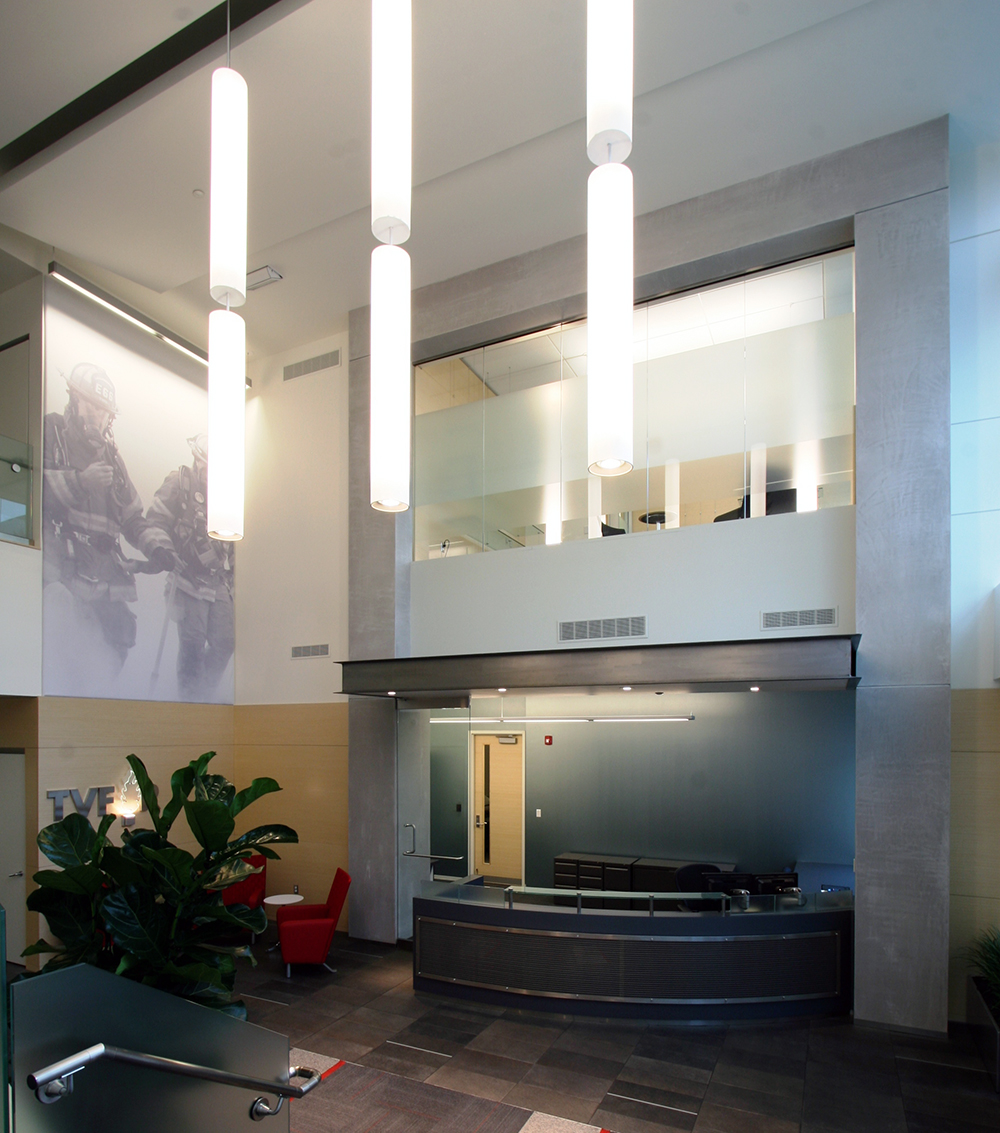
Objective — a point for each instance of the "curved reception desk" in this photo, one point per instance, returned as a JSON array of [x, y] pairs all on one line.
[[671, 956]]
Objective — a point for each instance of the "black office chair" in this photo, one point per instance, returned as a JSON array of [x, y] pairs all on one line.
[[691, 879]]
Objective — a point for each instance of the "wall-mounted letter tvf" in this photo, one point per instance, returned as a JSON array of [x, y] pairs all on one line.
[[103, 796]]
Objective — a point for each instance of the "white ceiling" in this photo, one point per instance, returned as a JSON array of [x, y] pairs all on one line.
[[726, 90]]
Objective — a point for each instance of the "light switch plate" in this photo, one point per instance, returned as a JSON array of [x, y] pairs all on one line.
[[538, 813]]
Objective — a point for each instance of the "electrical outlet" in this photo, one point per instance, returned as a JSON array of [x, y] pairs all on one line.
[[538, 813]]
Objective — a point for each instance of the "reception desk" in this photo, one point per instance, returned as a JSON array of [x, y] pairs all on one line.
[[778, 956]]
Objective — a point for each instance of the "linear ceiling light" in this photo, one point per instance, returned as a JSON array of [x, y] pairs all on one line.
[[609, 238], [389, 451], [124, 311], [227, 284], [562, 720]]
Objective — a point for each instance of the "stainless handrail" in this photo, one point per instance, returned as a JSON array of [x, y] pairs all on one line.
[[614, 894], [56, 1080]]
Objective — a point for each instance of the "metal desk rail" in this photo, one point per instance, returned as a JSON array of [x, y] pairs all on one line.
[[724, 899], [56, 1081]]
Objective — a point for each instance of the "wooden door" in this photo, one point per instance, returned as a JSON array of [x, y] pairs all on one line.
[[499, 806]]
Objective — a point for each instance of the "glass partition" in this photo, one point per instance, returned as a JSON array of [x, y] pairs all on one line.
[[743, 407], [4, 1032], [15, 490]]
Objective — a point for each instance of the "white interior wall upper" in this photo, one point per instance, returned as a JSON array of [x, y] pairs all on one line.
[[291, 567], [975, 411]]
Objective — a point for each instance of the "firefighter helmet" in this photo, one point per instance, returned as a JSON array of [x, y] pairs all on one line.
[[92, 384]]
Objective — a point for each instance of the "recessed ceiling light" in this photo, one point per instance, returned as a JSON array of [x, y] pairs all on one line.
[[390, 693], [755, 688], [626, 688], [501, 690]]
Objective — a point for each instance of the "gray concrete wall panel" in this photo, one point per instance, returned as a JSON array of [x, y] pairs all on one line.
[[903, 598], [371, 825], [902, 856]]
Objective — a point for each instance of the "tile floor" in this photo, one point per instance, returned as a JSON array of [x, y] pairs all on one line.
[[826, 1076]]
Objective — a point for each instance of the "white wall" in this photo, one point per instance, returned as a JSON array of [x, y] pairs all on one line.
[[975, 411], [20, 620], [291, 567], [699, 583]]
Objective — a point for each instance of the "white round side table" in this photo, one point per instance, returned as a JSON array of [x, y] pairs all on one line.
[[283, 899]]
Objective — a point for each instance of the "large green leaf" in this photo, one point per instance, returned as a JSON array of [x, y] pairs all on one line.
[[228, 872], [214, 787], [259, 836], [174, 870], [69, 915], [148, 789], [84, 879], [210, 822], [200, 765], [181, 783], [137, 923], [255, 920], [122, 869], [250, 794], [40, 948], [68, 842]]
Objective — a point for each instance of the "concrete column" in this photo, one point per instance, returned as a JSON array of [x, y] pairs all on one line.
[[903, 613]]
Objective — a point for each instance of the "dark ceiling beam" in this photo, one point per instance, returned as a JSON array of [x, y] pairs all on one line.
[[800, 663], [132, 78]]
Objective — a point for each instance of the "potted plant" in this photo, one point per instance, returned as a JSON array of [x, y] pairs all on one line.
[[149, 910], [983, 999]]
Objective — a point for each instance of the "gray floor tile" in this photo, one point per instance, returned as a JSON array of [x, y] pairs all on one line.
[[509, 1070], [587, 1064], [755, 1101], [550, 1101], [395, 1059], [567, 1082], [689, 1081], [722, 1119], [652, 1096], [471, 1082], [735, 1073], [630, 1115], [611, 1042], [524, 1041]]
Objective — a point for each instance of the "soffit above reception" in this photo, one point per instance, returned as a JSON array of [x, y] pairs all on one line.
[[799, 664]]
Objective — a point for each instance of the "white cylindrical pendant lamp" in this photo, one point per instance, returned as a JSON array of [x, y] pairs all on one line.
[[609, 80], [227, 339], [391, 120], [390, 379], [609, 320], [227, 276]]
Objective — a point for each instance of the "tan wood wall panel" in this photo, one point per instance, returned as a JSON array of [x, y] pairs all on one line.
[[79, 722], [975, 828], [506, 807], [303, 747], [975, 719], [316, 724], [19, 721]]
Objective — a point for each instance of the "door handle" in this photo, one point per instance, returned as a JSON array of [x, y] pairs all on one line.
[[479, 822], [20, 873]]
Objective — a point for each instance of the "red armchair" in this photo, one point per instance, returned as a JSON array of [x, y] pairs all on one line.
[[249, 892], [306, 931]]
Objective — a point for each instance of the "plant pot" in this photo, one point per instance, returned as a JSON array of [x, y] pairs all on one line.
[[984, 1024]]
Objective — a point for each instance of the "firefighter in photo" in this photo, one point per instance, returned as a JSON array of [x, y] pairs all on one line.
[[89, 503], [200, 596]]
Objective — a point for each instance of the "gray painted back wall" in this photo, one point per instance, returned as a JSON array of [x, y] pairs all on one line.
[[761, 780]]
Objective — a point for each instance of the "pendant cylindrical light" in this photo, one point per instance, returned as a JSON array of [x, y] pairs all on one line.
[[391, 120], [609, 80], [227, 279], [390, 379], [609, 320], [226, 423]]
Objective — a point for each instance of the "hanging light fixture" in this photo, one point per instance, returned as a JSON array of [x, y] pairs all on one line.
[[227, 284], [389, 451], [609, 238]]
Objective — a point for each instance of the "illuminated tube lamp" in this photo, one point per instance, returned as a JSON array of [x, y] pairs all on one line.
[[226, 424], [609, 80], [390, 379], [391, 120], [609, 320], [227, 274]]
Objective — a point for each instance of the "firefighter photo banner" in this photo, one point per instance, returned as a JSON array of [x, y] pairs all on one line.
[[138, 601]]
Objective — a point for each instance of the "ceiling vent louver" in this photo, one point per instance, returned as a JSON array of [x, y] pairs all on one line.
[[301, 651], [797, 619], [311, 365], [603, 629]]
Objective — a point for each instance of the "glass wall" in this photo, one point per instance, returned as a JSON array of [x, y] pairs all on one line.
[[743, 406]]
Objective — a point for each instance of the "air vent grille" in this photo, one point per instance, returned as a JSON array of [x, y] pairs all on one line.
[[311, 365], [796, 619], [300, 651], [603, 629]]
